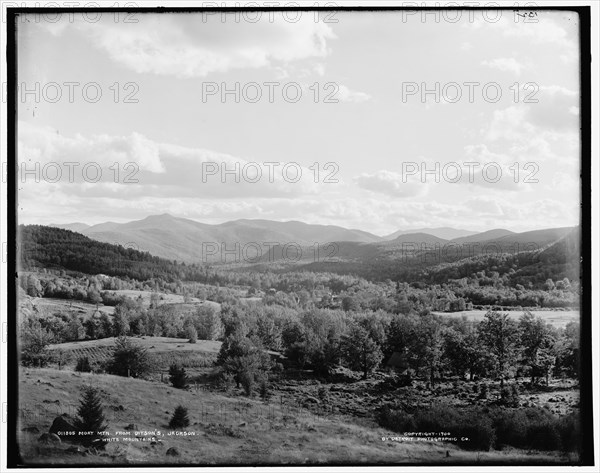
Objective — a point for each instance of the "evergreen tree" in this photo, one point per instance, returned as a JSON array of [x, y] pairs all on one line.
[[177, 376], [129, 359], [91, 418], [83, 364], [180, 418]]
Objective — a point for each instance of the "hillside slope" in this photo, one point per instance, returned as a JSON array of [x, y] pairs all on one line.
[[49, 247], [225, 430]]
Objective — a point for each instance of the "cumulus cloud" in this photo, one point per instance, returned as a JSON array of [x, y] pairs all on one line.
[[344, 94], [189, 45], [390, 183], [45, 145], [505, 64], [134, 165], [552, 114]]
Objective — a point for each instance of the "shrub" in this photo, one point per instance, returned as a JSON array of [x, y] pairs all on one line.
[[475, 427], [263, 386], [226, 381], [247, 382], [323, 394], [569, 430], [543, 436], [530, 428], [510, 426], [178, 376], [472, 425], [180, 418], [83, 365], [478, 430], [509, 396], [396, 420], [535, 428]]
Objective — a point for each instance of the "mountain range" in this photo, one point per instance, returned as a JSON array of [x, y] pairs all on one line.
[[445, 233], [187, 240]]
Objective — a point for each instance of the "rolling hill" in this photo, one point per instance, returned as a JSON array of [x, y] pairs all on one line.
[[55, 248], [416, 239], [224, 430], [182, 239], [445, 233]]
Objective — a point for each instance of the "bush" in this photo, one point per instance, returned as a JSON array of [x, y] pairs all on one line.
[[83, 365], [510, 426], [535, 428], [509, 396], [543, 436], [247, 382], [475, 426], [180, 418], [478, 430], [396, 420], [178, 376], [226, 381], [263, 385], [569, 430]]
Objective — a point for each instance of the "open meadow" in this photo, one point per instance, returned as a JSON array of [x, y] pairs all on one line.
[[223, 429]]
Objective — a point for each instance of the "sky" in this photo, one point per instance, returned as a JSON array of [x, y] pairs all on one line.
[[358, 119]]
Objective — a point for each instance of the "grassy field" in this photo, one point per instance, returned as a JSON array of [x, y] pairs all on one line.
[[557, 318], [223, 430], [48, 306], [153, 344], [165, 298], [162, 350]]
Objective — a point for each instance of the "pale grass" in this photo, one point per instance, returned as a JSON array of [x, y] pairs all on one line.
[[225, 432]]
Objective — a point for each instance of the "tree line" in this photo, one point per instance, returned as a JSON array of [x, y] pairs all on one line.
[[420, 345]]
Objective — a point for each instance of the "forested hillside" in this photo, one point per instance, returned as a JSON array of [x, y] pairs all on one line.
[[55, 248]]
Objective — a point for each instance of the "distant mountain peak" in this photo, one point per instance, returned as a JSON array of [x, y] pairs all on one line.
[[485, 236], [445, 233], [160, 216]]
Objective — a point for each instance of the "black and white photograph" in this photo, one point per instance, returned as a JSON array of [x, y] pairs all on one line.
[[311, 234]]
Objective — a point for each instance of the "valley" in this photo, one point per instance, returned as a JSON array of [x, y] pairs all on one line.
[[328, 353]]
